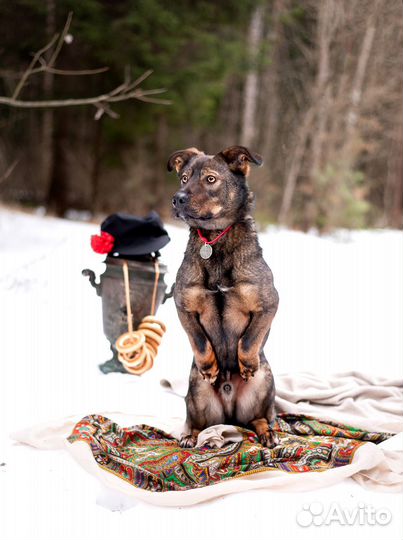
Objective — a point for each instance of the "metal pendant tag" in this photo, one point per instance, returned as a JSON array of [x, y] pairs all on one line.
[[206, 251]]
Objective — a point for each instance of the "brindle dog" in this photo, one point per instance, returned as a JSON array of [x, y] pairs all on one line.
[[226, 303]]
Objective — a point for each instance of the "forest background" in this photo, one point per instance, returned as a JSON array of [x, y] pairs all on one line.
[[314, 86]]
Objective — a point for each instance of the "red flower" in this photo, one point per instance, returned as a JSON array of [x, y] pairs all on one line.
[[102, 243]]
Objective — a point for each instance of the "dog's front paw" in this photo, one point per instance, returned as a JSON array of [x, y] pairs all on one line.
[[247, 370], [187, 441], [269, 439], [207, 364], [248, 361], [210, 375]]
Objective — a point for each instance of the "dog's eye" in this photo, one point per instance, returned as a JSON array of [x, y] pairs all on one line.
[[211, 179], [184, 178]]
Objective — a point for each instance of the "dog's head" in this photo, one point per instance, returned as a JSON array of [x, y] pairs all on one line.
[[213, 192]]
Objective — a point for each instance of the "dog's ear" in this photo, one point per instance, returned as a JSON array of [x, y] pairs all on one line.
[[179, 159], [239, 158]]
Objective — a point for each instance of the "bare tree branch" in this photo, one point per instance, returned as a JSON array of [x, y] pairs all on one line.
[[70, 72], [103, 108], [55, 71], [139, 94], [60, 41], [33, 63], [9, 171], [127, 90]]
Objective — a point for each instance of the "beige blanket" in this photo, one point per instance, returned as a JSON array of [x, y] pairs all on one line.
[[370, 403], [353, 398]]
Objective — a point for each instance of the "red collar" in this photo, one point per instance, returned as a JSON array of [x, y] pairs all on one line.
[[211, 242]]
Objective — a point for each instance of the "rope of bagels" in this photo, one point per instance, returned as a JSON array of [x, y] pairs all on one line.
[[138, 349]]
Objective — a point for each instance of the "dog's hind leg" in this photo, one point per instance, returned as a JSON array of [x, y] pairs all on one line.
[[266, 435], [203, 408], [263, 413], [189, 436]]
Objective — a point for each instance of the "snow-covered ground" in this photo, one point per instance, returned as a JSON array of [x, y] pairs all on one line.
[[340, 310]]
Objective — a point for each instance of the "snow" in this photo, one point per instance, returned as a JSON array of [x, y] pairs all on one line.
[[340, 309]]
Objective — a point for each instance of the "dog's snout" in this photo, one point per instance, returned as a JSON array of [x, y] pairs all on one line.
[[179, 199]]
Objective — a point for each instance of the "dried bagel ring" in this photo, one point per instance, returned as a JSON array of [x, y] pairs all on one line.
[[133, 358], [151, 326], [152, 347], [130, 342], [151, 318], [149, 334], [146, 365]]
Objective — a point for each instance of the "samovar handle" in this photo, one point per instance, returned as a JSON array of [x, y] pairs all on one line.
[[91, 276], [169, 294]]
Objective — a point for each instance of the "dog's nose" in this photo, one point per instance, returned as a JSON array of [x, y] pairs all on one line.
[[179, 199]]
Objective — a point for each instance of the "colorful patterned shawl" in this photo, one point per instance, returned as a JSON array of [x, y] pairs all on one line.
[[150, 459]]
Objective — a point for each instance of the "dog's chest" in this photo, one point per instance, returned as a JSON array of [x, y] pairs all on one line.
[[218, 282], [220, 296]]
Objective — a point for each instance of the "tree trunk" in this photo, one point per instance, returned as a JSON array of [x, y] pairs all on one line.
[[57, 196], [315, 120], [248, 127], [227, 120], [393, 194], [271, 116], [96, 162], [322, 91], [327, 23], [47, 127], [295, 168], [358, 82], [159, 178]]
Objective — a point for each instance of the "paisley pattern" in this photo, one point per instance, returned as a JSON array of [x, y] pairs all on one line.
[[150, 459]]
